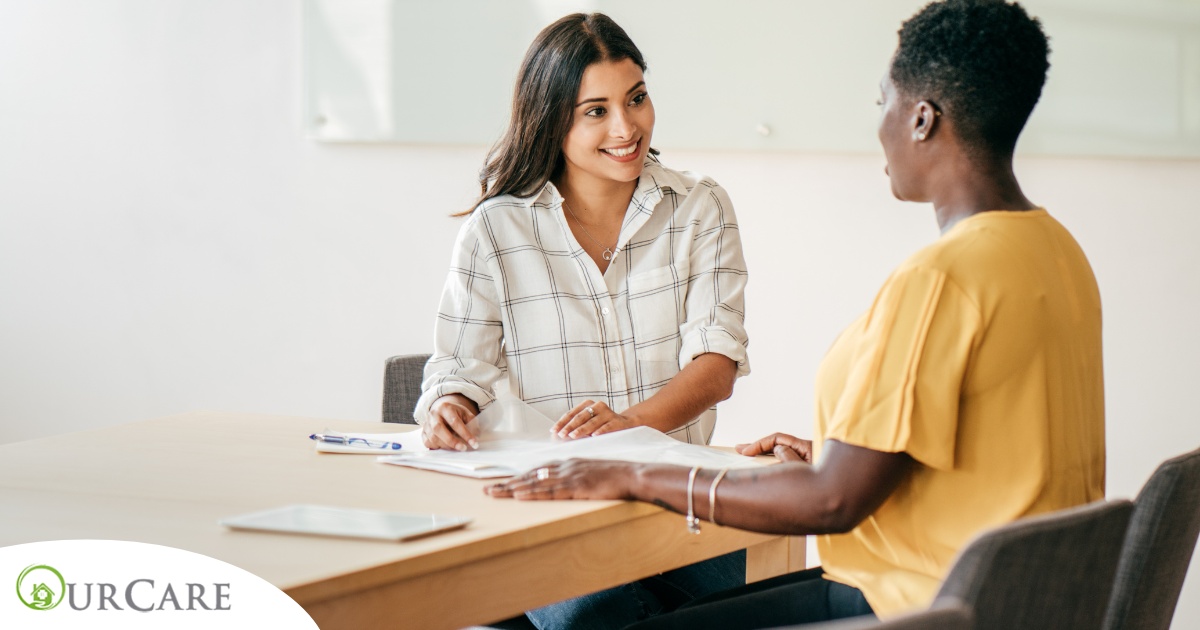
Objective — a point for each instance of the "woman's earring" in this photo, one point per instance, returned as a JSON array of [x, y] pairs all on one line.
[[918, 135]]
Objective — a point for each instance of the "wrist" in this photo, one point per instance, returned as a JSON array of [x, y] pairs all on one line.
[[456, 399], [632, 417], [636, 481]]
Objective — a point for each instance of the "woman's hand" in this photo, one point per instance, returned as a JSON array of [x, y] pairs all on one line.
[[786, 447], [446, 427], [590, 418], [572, 479]]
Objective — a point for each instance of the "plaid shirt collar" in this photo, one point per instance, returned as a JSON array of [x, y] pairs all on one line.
[[650, 188]]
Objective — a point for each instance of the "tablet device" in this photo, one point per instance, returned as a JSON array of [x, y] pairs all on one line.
[[324, 520]]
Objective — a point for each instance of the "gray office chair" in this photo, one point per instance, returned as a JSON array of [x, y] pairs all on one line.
[[1053, 571], [1158, 547], [402, 378], [945, 614]]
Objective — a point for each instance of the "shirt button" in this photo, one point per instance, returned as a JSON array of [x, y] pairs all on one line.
[[604, 310]]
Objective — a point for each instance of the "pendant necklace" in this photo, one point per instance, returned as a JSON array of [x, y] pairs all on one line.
[[608, 252]]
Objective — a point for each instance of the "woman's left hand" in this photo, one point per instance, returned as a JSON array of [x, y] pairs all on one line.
[[572, 479], [590, 418], [788, 448]]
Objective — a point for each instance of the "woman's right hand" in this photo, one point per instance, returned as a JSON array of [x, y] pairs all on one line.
[[446, 426], [787, 448]]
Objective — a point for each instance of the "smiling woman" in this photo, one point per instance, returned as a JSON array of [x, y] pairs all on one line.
[[606, 146], [604, 289]]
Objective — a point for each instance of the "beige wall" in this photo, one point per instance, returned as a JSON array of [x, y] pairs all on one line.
[[169, 242]]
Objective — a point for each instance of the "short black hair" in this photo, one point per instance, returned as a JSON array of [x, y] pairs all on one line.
[[983, 62]]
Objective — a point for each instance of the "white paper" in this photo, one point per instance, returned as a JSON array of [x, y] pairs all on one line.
[[508, 417], [526, 443]]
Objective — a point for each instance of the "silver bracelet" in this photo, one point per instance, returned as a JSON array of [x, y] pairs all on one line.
[[712, 496], [693, 523]]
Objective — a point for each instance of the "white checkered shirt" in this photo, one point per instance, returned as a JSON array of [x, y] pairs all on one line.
[[523, 301]]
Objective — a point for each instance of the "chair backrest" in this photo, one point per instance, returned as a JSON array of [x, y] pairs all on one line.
[[1158, 547], [402, 386], [1052, 571], [945, 614]]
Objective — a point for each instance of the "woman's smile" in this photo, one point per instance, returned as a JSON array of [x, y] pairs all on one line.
[[624, 153]]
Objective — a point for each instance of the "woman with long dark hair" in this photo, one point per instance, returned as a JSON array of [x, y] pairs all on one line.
[[969, 395], [603, 288]]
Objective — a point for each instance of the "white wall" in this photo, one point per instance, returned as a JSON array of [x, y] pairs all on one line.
[[168, 242]]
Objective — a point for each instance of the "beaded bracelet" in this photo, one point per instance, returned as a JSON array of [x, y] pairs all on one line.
[[693, 523]]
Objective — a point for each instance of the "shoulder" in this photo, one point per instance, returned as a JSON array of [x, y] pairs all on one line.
[[993, 245], [505, 222], [963, 248], [986, 256], [690, 196], [505, 206], [506, 212], [682, 183]]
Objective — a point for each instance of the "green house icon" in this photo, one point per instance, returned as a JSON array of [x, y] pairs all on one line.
[[42, 596]]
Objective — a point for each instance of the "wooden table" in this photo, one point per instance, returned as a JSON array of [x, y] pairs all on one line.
[[168, 481]]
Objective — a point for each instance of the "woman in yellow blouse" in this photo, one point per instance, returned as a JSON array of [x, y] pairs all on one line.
[[969, 395]]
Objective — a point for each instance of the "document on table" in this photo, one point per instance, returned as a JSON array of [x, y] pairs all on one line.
[[515, 438]]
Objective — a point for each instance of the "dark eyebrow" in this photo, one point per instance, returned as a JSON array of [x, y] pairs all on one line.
[[603, 100]]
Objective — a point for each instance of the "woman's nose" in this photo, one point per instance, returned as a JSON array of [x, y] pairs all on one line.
[[622, 125]]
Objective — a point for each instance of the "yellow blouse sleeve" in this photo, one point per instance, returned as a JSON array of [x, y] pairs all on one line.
[[905, 378]]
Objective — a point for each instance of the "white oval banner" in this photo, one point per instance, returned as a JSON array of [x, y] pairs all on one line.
[[120, 584]]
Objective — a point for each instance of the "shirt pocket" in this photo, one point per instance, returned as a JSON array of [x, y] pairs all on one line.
[[656, 310]]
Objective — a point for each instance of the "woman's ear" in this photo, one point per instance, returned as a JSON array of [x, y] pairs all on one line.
[[925, 120]]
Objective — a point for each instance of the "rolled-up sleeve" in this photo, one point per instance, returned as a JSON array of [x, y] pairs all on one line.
[[715, 305], [468, 356]]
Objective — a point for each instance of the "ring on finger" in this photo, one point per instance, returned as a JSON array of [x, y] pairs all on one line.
[[543, 474], [591, 411]]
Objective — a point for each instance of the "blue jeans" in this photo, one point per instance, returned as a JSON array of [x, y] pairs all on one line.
[[629, 603]]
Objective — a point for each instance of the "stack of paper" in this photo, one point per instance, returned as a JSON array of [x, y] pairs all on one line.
[[507, 453]]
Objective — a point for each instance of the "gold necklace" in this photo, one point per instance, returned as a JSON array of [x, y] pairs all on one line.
[[608, 252]]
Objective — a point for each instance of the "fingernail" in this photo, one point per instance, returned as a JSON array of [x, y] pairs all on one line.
[[460, 447], [474, 443], [574, 434]]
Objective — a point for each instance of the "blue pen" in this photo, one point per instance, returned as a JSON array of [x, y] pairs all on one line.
[[355, 441]]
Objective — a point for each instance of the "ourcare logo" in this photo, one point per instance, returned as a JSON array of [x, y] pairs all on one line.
[[42, 587], [125, 585]]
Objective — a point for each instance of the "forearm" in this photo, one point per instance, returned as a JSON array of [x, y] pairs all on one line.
[[468, 333], [846, 486], [788, 499], [704, 382]]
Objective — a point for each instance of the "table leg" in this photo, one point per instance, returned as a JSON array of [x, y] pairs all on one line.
[[775, 557]]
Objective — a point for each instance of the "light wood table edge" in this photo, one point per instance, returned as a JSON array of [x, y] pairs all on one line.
[[507, 584], [614, 515]]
